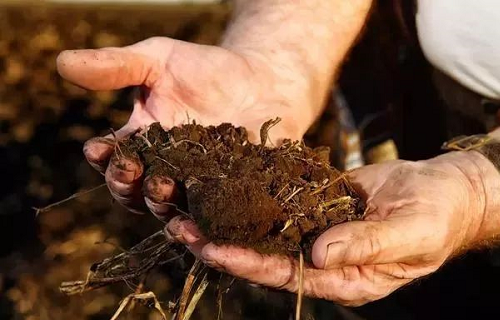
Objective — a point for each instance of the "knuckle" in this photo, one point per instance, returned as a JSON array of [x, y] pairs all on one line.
[[366, 247], [289, 283]]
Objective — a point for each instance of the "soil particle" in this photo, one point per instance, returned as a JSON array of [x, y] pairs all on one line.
[[274, 200]]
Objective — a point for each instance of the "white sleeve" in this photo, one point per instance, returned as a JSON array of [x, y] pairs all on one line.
[[462, 39]]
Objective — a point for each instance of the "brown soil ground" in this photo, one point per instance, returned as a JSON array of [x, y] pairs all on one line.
[[275, 200]]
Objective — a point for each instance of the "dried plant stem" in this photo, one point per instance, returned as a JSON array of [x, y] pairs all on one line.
[[146, 141], [168, 163], [138, 290], [341, 200], [331, 183], [117, 143], [150, 252], [177, 143], [186, 291], [196, 298], [264, 130], [281, 191], [300, 292], [142, 296], [293, 194], [74, 196]]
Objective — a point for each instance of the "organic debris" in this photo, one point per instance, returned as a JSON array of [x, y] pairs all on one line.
[[151, 252], [274, 200]]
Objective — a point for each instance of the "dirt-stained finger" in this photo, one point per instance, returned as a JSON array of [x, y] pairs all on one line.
[[107, 68], [269, 270], [160, 194], [183, 230], [186, 232], [124, 177], [98, 150], [351, 285]]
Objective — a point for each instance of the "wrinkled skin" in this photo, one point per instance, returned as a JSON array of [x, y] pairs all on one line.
[[178, 80], [418, 216], [419, 213]]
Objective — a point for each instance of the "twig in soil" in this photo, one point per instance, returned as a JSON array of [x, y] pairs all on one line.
[[177, 143], [288, 223], [308, 161], [293, 194], [264, 130], [74, 196], [140, 135], [117, 143], [281, 191], [339, 204], [300, 292], [324, 187], [168, 163], [141, 296], [291, 220]]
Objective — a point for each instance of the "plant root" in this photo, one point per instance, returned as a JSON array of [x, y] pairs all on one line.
[[139, 297]]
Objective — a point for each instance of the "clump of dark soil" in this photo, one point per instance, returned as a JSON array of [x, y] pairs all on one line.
[[275, 200]]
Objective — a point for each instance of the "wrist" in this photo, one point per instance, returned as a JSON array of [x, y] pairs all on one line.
[[487, 179], [481, 181]]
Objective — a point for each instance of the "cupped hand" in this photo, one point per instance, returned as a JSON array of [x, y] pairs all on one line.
[[419, 214], [180, 81]]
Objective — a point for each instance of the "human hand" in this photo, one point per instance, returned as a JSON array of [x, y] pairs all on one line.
[[181, 80], [419, 214]]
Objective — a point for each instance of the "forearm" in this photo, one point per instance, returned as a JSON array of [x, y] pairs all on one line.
[[304, 41]]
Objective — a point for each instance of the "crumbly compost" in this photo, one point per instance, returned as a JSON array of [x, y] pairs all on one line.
[[274, 200]]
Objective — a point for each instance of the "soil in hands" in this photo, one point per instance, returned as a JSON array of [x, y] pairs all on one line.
[[274, 200]]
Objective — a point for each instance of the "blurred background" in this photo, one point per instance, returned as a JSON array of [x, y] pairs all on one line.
[[386, 107]]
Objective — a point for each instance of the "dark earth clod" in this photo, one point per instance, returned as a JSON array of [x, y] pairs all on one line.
[[274, 200]]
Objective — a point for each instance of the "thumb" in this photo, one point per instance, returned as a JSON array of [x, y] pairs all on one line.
[[365, 243], [113, 68]]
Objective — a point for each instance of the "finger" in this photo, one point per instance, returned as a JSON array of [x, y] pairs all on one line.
[[124, 177], [373, 242], [273, 271], [111, 68], [367, 180], [348, 285], [186, 232], [160, 193], [98, 150]]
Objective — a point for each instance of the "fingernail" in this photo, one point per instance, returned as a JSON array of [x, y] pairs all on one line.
[[167, 234], [98, 149], [190, 238], [126, 170], [334, 252], [191, 227], [179, 230], [159, 188]]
